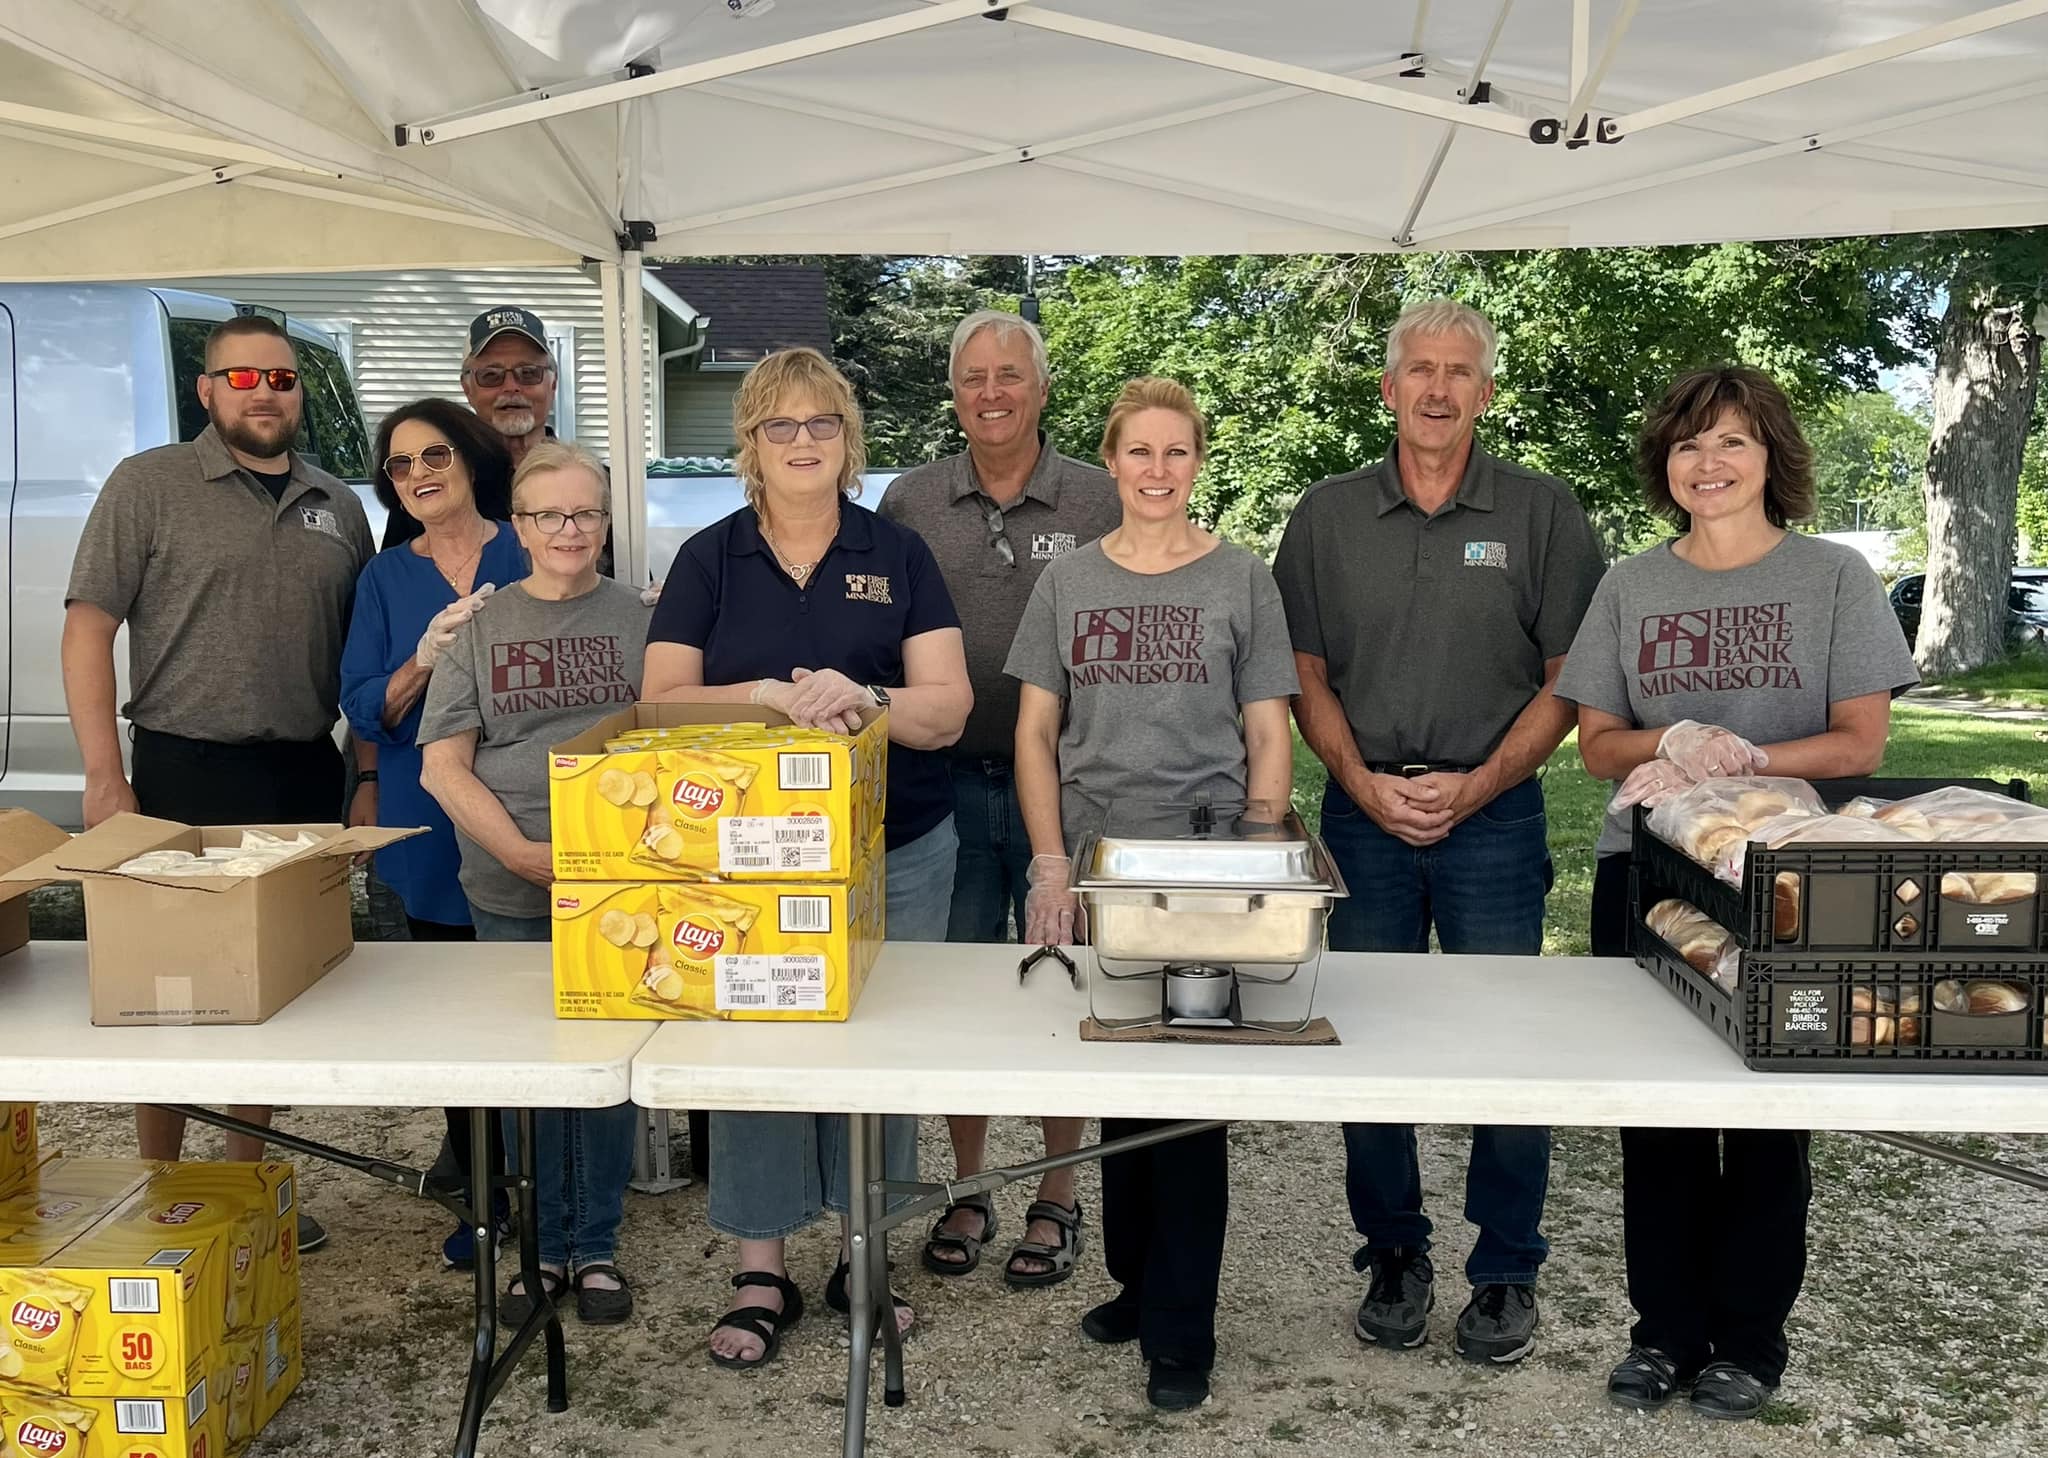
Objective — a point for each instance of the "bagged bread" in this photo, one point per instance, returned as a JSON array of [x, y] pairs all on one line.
[[1707, 946], [1953, 812], [1714, 814], [1793, 830]]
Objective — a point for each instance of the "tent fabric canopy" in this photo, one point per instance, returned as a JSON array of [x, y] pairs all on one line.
[[146, 139]]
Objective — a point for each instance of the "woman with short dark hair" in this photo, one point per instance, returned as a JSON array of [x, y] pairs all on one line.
[[1736, 647]]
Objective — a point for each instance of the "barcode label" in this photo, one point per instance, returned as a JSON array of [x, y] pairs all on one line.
[[131, 1297], [747, 999], [142, 1417], [775, 843], [172, 1257], [786, 980], [284, 1198], [806, 913], [195, 1403], [804, 771]]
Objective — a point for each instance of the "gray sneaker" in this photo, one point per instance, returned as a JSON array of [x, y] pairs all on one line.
[[1395, 1311], [1498, 1324]]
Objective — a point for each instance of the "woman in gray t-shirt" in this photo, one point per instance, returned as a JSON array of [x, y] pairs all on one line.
[[1734, 648], [1155, 665]]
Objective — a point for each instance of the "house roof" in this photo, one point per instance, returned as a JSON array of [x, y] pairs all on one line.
[[753, 308]]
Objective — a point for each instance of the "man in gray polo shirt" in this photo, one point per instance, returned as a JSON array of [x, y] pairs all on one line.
[[994, 516], [1432, 599], [233, 562]]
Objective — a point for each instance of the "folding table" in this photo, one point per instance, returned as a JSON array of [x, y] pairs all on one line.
[[1432, 1040], [396, 1025]]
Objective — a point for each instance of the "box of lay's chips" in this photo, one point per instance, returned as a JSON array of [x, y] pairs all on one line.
[[251, 1375], [675, 792], [136, 1305], [795, 953], [41, 1425], [42, 1306], [17, 1144]]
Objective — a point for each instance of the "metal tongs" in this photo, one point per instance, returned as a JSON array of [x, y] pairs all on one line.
[[1034, 958]]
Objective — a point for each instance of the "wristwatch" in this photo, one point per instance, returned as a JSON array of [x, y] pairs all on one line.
[[881, 695], [366, 777]]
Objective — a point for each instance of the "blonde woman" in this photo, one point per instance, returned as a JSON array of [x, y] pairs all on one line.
[[1155, 666], [810, 604]]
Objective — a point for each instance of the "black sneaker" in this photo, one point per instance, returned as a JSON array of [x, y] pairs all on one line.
[[1723, 1390], [1645, 1379], [1112, 1323], [1498, 1324], [1175, 1387], [1395, 1311], [312, 1234]]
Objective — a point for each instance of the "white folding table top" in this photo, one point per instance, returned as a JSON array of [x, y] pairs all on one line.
[[1558, 1040], [397, 1024]]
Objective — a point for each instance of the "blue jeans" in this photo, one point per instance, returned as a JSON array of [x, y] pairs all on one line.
[[582, 1157], [1483, 887], [773, 1174], [995, 853]]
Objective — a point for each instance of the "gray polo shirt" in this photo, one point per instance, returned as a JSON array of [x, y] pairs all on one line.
[[1435, 629], [236, 605], [1065, 505]]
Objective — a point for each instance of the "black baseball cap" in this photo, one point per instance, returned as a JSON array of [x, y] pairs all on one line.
[[507, 319]]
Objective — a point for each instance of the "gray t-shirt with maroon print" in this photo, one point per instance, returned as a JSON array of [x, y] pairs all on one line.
[[1153, 668], [1762, 650], [526, 673]]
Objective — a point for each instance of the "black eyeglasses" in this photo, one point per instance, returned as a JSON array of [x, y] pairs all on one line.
[[589, 521], [782, 430], [992, 518], [437, 457], [244, 377], [492, 376]]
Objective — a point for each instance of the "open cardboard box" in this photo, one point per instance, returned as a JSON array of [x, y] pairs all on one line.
[[24, 836], [206, 949]]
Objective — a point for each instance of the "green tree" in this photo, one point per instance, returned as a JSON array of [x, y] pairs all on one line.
[[1868, 455]]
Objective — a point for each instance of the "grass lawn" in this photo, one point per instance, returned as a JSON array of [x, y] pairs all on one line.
[[1925, 744], [2020, 681]]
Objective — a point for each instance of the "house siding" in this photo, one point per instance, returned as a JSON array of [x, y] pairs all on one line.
[[697, 410], [408, 330]]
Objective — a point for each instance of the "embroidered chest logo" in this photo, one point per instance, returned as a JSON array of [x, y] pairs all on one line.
[[867, 587], [1486, 554], [320, 519], [1047, 545]]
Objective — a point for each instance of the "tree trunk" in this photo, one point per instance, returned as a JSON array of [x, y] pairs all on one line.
[[1986, 371]]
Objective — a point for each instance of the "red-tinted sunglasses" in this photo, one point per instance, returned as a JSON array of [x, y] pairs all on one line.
[[241, 377]]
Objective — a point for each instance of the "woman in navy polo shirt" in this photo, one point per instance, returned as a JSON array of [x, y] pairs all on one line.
[[814, 606]]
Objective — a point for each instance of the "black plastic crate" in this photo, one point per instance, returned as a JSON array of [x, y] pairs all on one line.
[[1863, 897]]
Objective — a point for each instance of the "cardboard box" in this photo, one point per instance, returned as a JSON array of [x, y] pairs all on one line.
[[41, 1425], [17, 1144], [744, 952], [24, 837], [797, 811], [206, 949], [134, 1301]]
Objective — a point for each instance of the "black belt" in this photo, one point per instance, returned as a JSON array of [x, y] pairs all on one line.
[[1409, 769]]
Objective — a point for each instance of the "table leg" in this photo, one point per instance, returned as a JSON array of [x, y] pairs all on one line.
[[860, 1293], [529, 1263], [476, 1395], [878, 1245]]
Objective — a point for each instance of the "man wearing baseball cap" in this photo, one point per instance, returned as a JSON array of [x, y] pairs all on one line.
[[509, 376]]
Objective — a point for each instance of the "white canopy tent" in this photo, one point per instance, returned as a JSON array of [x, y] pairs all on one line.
[[148, 138]]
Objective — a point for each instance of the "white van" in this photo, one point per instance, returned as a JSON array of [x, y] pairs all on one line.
[[89, 374]]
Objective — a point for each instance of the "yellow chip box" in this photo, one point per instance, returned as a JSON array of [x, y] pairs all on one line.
[[674, 792], [41, 1425], [252, 1374], [132, 1306], [741, 952], [17, 1144]]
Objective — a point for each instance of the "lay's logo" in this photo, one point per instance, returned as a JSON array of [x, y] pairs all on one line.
[[701, 941], [178, 1214], [57, 1209], [694, 797], [36, 1320], [33, 1437]]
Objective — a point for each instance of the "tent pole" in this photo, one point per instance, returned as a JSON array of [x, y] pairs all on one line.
[[629, 465], [1406, 235], [1586, 83], [43, 119], [1835, 65], [205, 177]]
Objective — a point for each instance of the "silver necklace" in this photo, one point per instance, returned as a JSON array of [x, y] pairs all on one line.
[[798, 571]]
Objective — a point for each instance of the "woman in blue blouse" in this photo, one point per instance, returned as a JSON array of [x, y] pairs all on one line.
[[445, 479]]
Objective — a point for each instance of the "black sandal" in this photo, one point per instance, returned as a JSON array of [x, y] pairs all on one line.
[[837, 1298], [515, 1306], [595, 1306], [1060, 1257], [762, 1322], [969, 1245]]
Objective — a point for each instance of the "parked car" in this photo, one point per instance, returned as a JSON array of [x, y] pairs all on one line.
[[91, 373], [2026, 596]]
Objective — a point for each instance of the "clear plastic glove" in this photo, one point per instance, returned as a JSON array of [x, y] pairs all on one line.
[[828, 699], [651, 593], [1651, 783], [1049, 907], [443, 625], [785, 698], [1707, 751]]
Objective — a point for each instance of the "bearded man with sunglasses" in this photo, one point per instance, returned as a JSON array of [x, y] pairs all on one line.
[[509, 377], [233, 563]]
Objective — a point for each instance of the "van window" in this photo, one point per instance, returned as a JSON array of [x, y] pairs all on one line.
[[332, 432]]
